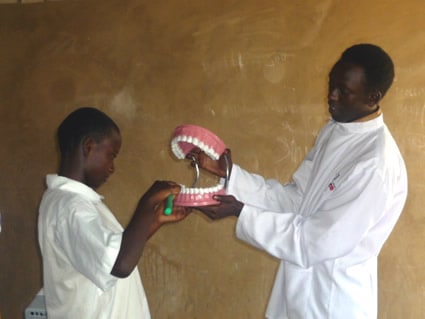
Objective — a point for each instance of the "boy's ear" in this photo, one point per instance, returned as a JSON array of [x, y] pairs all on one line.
[[374, 98], [87, 145]]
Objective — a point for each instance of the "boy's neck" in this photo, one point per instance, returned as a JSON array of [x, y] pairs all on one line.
[[69, 169]]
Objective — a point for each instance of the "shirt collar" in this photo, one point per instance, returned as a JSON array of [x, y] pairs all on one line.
[[64, 183], [361, 127]]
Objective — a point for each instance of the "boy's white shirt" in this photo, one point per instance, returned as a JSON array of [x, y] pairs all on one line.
[[80, 239]]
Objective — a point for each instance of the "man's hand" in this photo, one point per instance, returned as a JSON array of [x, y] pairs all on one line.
[[216, 167], [228, 206]]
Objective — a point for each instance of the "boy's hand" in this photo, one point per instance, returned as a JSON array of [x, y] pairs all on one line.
[[147, 218], [176, 215], [153, 201], [156, 194]]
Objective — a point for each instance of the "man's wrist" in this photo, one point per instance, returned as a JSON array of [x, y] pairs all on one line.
[[240, 206]]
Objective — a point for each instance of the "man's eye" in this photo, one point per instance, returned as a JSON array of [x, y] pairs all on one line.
[[344, 91]]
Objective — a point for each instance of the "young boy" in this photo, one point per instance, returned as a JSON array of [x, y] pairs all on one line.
[[329, 224], [89, 260]]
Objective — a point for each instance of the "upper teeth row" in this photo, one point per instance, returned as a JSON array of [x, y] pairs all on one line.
[[195, 141], [208, 190]]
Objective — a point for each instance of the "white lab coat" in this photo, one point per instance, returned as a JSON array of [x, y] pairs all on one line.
[[327, 226]]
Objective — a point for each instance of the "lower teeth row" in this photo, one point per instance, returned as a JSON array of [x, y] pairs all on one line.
[[187, 190]]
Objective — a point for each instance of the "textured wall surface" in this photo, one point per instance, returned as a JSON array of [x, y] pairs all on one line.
[[254, 72]]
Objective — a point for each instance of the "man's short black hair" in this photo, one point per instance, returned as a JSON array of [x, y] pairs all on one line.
[[83, 123], [377, 65]]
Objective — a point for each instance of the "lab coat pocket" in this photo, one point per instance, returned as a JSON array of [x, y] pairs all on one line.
[[298, 288]]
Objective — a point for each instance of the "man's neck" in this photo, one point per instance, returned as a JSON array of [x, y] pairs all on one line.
[[371, 116]]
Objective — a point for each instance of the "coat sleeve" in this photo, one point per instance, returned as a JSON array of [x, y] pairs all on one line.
[[264, 194], [335, 229]]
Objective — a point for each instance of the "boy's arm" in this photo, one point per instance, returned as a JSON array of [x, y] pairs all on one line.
[[147, 219]]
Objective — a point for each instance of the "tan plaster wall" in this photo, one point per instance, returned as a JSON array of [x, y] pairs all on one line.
[[254, 72]]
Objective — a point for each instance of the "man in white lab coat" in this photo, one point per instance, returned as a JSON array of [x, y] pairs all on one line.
[[328, 225]]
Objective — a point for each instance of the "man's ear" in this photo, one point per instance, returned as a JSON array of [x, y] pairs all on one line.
[[374, 98]]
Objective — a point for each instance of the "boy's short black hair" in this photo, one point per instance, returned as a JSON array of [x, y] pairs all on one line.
[[82, 123], [377, 65]]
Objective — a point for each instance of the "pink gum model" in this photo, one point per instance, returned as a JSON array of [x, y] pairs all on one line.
[[185, 138]]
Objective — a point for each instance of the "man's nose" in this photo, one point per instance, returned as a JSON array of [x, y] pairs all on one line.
[[333, 94]]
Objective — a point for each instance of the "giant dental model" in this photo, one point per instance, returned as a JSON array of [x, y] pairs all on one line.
[[185, 138]]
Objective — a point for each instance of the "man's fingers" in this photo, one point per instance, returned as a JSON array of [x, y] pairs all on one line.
[[227, 199]]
